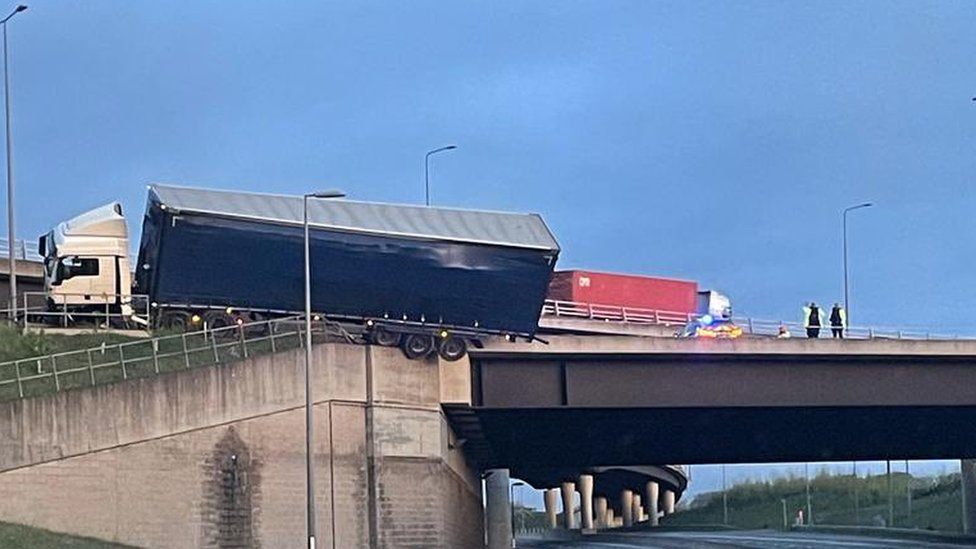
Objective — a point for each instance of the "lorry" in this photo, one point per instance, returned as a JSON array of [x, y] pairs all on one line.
[[624, 290], [422, 278]]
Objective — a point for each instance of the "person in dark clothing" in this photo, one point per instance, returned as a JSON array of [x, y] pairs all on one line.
[[838, 321], [812, 320]]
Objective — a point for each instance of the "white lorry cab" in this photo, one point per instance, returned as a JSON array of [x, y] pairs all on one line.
[[86, 262]]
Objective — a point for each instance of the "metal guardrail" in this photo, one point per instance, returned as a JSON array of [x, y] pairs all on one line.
[[613, 313], [34, 311], [108, 363], [22, 250], [749, 325]]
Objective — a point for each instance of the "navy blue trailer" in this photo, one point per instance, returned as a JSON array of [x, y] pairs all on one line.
[[401, 269]]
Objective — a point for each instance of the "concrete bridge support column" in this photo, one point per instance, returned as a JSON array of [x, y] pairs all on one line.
[[551, 497], [668, 502], [586, 501], [968, 469], [626, 507], [569, 490], [651, 494], [611, 520], [638, 509], [601, 512], [498, 512]]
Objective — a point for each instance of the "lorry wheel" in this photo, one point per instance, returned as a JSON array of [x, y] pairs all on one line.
[[452, 348], [177, 321], [417, 346], [384, 337], [219, 319]]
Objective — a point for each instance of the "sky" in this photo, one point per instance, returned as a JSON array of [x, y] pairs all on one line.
[[712, 141]]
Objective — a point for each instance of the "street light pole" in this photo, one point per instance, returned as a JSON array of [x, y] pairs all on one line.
[[806, 471], [847, 305], [309, 470], [857, 505], [427, 170], [725, 499], [11, 236]]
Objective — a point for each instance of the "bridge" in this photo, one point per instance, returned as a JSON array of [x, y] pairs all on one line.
[[402, 446]]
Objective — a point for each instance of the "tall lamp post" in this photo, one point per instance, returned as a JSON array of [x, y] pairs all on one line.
[[309, 472], [725, 499], [847, 305], [427, 170], [10, 170]]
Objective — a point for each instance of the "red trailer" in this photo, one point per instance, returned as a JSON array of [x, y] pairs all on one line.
[[623, 290]]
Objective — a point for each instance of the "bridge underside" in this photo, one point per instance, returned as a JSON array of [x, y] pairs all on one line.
[[573, 409], [530, 440]]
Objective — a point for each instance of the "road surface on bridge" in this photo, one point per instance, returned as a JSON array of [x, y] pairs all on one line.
[[754, 539]]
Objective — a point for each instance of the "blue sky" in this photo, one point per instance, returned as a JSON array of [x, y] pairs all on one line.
[[711, 141]]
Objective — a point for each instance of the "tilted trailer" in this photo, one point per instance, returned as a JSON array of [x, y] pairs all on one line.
[[422, 278]]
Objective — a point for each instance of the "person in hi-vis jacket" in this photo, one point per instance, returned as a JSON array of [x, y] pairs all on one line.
[[838, 321], [812, 320]]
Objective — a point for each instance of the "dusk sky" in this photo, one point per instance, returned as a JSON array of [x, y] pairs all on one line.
[[706, 141]]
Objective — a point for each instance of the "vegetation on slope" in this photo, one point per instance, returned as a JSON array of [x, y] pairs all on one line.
[[15, 536], [935, 503]]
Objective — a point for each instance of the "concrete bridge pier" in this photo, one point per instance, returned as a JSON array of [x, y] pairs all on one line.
[[638, 509], [601, 512], [626, 507], [551, 497], [968, 469], [586, 501], [668, 502], [651, 492], [611, 520], [498, 516], [568, 490]]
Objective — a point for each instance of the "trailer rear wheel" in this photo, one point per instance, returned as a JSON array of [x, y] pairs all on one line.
[[452, 348], [417, 345], [177, 321], [220, 322], [384, 337]]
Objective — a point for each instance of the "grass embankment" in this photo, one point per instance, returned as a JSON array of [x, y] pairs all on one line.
[[15, 536], [76, 367], [936, 503], [14, 345]]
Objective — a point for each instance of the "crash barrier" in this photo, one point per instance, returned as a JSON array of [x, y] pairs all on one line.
[[749, 325], [148, 357]]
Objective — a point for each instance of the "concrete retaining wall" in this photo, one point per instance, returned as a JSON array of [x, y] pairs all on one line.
[[214, 457]]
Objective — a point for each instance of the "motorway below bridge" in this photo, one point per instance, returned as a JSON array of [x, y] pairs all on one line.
[[765, 539]]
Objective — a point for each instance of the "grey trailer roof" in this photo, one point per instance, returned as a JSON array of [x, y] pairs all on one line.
[[517, 230]]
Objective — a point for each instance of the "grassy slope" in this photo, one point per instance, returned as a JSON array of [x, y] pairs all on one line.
[[16, 536], [935, 503], [14, 345]]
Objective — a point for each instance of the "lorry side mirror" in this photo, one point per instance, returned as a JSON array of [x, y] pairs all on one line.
[[42, 246]]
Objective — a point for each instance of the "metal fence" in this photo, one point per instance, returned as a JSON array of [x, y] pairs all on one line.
[[22, 250], [35, 311], [613, 313], [107, 363], [749, 325]]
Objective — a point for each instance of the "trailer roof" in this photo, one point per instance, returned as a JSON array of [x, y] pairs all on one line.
[[518, 230]]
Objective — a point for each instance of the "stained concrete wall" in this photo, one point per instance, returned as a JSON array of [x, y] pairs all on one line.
[[214, 457]]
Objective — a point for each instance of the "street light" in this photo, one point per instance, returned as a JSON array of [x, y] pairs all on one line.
[[511, 503], [847, 306], [725, 499], [10, 170], [427, 169], [806, 473], [309, 474]]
